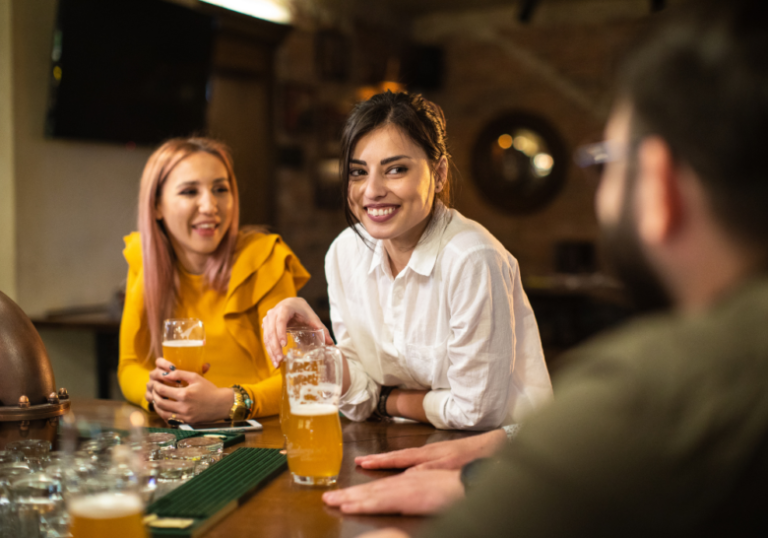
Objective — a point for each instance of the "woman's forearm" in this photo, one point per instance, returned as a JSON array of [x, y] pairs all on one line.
[[346, 380], [407, 404]]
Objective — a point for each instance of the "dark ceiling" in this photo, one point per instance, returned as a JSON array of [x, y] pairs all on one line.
[[415, 8]]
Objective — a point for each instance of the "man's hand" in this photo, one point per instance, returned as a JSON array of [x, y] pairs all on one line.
[[385, 533], [419, 493], [443, 455]]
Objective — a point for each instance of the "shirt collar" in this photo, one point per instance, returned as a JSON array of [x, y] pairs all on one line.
[[425, 254], [378, 255]]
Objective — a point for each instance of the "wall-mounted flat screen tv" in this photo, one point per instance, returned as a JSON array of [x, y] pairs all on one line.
[[130, 71]]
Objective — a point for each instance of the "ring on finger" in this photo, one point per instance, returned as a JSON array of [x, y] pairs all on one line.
[[174, 420]]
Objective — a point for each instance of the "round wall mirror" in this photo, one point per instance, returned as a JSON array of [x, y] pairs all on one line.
[[519, 162]]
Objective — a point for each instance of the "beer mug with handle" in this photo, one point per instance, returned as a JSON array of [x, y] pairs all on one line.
[[313, 435], [304, 339]]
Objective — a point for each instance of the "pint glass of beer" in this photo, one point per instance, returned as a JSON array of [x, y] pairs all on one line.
[[304, 339], [108, 512], [313, 435], [108, 501], [183, 340]]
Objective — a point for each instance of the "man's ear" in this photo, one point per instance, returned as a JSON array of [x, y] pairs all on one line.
[[659, 202], [441, 174]]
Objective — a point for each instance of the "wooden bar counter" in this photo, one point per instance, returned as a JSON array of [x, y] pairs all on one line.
[[284, 509]]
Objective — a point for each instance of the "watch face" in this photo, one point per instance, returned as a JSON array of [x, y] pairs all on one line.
[[238, 410]]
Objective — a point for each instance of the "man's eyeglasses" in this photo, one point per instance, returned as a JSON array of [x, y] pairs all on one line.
[[599, 154]]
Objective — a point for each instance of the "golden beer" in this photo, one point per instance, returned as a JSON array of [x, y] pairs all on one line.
[[184, 355], [117, 515], [305, 339], [313, 433]]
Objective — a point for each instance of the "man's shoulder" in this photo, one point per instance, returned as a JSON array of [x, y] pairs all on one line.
[[683, 349]]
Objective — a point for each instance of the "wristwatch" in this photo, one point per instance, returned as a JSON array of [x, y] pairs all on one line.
[[239, 410]]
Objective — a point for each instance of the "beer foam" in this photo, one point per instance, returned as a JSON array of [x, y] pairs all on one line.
[[322, 393], [105, 505], [184, 343], [313, 410]]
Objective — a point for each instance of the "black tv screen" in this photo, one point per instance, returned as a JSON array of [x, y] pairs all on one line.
[[132, 71]]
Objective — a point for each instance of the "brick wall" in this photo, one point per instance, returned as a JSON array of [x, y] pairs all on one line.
[[493, 64]]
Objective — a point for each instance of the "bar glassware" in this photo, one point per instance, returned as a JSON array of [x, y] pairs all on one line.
[[304, 339], [313, 435], [183, 342]]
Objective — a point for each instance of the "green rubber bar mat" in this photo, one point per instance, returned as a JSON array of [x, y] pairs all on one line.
[[215, 493], [230, 438]]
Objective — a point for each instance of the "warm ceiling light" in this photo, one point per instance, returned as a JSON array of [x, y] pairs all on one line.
[[270, 10], [505, 141]]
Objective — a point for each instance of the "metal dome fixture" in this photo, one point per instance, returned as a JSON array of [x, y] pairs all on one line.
[[27, 387]]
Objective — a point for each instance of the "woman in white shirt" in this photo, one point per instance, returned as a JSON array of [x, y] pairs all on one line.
[[427, 306]]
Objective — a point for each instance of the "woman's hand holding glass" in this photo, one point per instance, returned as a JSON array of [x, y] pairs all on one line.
[[162, 369], [291, 311], [199, 401]]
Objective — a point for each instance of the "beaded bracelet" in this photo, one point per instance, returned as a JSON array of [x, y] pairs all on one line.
[[246, 398]]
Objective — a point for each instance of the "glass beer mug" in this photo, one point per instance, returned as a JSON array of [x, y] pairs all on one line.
[[183, 340], [313, 435], [304, 339]]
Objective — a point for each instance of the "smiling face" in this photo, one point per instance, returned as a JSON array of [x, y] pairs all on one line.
[[392, 186], [195, 206]]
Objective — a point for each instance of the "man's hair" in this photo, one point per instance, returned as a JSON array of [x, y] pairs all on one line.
[[700, 82]]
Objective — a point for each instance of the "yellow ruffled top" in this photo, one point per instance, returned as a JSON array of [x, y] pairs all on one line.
[[264, 272]]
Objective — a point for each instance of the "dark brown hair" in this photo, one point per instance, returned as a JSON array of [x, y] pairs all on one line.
[[700, 82], [420, 119]]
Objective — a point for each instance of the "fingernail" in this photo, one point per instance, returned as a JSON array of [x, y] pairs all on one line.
[[165, 373], [173, 368], [283, 342]]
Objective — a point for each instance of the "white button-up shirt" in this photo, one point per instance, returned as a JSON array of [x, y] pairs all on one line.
[[455, 322]]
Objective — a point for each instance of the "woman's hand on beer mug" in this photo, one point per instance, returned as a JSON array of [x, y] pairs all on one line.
[[292, 311], [199, 401], [158, 375]]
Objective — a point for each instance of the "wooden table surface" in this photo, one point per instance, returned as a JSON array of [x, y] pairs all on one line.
[[284, 509]]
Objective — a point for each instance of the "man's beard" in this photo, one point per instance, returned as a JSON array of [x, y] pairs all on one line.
[[626, 258]]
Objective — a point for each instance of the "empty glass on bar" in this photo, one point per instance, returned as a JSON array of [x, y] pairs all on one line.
[[213, 445], [183, 340], [313, 435], [39, 505]]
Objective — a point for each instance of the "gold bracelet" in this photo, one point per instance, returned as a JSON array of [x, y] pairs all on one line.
[[239, 411], [246, 398]]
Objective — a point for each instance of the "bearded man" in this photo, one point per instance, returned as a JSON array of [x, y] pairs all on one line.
[[659, 428]]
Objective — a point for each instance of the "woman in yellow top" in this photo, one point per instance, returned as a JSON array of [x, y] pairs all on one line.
[[189, 259]]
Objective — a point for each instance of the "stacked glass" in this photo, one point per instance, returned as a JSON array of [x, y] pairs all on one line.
[[31, 501]]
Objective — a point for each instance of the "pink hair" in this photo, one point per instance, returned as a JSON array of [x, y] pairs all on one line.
[[160, 276]]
